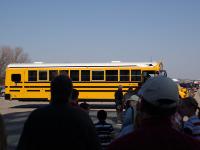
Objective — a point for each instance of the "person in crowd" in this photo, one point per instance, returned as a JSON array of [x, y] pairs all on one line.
[[104, 130], [3, 141], [127, 95], [189, 108], [119, 103], [85, 106], [146, 77], [129, 116], [197, 96], [177, 118], [157, 103], [74, 97], [59, 125]]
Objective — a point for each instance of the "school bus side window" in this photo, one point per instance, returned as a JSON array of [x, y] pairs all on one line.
[[149, 73], [98, 75], [52, 74], [42, 75], [111, 75], [124, 75], [85, 75], [74, 75], [32, 75], [16, 77], [135, 75]]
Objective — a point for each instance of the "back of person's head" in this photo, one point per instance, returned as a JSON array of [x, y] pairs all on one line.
[[61, 89], [191, 102], [189, 106], [102, 115], [120, 87], [159, 96], [75, 94], [130, 89]]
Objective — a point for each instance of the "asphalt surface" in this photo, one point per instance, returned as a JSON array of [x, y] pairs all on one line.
[[16, 112]]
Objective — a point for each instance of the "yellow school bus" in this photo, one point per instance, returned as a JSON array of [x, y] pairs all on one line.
[[94, 81]]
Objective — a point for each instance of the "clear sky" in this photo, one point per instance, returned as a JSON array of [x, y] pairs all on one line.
[[106, 30]]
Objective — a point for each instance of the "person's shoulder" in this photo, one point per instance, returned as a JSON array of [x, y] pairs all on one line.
[[188, 142], [103, 125], [42, 109], [186, 139], [76, 109], [96, 124], [192, 122], [108, 124], [194, 119], [122, 142], [78, 112], [136, 138], [38, 112], [191, 142]]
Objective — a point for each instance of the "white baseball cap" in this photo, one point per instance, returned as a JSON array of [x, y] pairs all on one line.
[[160, 91], [133, 98]]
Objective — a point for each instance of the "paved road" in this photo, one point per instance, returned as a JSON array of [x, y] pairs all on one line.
[[16, 112]]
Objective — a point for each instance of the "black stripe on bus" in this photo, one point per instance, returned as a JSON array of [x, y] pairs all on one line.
[[15, 86], [79, 90], [14, 90], [33, 90], [96, 100], [93, 90], [30, 99], [102, 86], [120, 82], [36, 86], [82, 86], [80, 100], [37, 82], [100, 91]]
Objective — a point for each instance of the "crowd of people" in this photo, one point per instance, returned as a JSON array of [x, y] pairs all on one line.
[[152, 117]]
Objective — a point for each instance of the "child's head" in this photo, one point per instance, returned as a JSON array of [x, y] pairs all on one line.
[[102, 115]]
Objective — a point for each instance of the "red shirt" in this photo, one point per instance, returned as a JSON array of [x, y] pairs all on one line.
[[155, 135]]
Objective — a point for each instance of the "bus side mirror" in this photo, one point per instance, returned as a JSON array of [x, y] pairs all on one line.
[[16, 78]]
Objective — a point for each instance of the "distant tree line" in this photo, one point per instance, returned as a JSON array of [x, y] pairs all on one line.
[[10, 55]]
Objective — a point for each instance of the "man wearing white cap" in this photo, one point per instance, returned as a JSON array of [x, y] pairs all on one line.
[[129, 117], [158, 102]]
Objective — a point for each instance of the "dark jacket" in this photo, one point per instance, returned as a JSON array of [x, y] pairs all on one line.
[[155, 135], [118, 97], [3, 142], [58, 127]]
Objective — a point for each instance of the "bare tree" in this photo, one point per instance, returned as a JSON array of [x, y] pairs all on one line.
[[9, 55], [20, 56]]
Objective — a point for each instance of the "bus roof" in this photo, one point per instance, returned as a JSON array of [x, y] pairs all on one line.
[[113, 64]]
